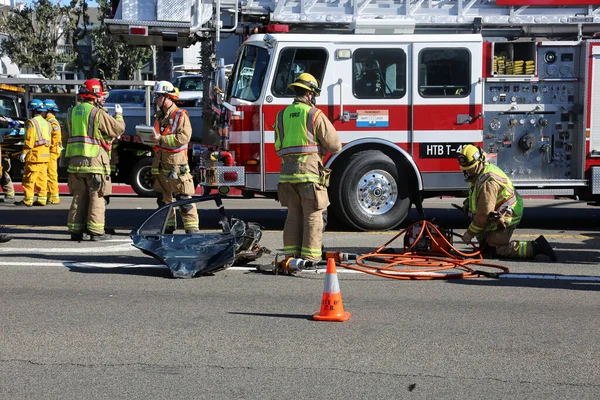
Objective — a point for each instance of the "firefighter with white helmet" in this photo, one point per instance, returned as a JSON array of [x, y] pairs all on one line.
[[55, 149], [495, 208], [35, 155], [89, 145], [303, 135], [170, 170]]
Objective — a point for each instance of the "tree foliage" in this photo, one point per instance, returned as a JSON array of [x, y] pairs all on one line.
[[79, 22], [33, 34], [112, 57]]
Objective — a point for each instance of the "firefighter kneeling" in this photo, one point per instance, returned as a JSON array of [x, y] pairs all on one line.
[[495, 208]]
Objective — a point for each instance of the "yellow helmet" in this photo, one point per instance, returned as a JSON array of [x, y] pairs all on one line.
[[469, 156], [308, 82]]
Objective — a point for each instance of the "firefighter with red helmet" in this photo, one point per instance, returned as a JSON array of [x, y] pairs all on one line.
[[303, 135], [89, 144], [170, 170], [495, 208], [36, 156], [55, 149]]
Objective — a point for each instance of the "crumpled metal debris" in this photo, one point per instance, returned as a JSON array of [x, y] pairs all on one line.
[[189, 255]]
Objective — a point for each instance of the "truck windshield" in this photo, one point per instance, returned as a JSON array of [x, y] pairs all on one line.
[[250, 72], [8, 107]]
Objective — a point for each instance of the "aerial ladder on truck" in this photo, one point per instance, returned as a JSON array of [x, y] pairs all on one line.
[[560, 164]]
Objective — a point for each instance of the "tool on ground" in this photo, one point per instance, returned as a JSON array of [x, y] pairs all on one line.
[[332, 307], [284, 264]]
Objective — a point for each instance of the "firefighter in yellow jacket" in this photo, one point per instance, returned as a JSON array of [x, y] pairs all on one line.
[[495, 208], [35, 155], [303, 135], [91, 132], [170, 169], [55, 149]]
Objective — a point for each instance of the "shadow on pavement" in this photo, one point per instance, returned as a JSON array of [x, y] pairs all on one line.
[[537, 281], [295, 316]]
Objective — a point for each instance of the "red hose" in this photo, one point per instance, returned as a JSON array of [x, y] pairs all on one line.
[[410, 265]]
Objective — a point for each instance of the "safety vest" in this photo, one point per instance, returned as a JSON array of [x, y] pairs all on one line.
[[294, 130], [508, 198], [170, 129], [42, 129], [56, 140], [85, 139]]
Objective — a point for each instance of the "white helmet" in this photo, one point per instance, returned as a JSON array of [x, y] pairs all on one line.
[[166, 87]]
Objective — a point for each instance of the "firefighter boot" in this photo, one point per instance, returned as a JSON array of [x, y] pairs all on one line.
[[98, 238], [541, 246], [8, 200], [78, 237]]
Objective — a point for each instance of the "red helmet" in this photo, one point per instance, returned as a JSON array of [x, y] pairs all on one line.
[[91, 89]]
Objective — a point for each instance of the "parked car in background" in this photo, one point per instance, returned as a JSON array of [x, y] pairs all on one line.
[[126, 98], [190, 90]]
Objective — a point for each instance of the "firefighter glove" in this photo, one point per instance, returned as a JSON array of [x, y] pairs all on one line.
[[466, 237], [118, 109], [22, 157]]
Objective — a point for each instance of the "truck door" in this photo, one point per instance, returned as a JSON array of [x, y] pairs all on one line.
[[446, 108]]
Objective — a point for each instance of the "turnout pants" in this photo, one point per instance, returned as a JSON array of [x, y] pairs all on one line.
[[88, 206], [53, 179], [500, 239], [5, 181], [35, 179], [303, 230], [179, 188]]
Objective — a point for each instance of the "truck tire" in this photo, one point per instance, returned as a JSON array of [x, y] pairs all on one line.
[[371, 194], [140, 178]]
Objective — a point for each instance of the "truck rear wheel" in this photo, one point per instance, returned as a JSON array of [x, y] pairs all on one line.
[[370, 193], [140, 178]]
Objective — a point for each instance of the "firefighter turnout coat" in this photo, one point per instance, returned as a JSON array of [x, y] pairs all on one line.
[[37, 155], [495, 209], [55, 149], [303, 135], [89, 145], [170, 169]]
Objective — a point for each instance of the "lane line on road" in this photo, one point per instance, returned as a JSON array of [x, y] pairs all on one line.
[[100, 265], [552, 277], [70, 250], [119, 265]]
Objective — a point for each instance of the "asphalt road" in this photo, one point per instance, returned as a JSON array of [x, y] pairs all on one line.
[[104, 321]]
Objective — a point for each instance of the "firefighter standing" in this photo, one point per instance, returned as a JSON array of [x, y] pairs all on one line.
[[88, 149], [495, 208], [55, 149], [5, 181], [170, 169], [35, 155], [302, 136]]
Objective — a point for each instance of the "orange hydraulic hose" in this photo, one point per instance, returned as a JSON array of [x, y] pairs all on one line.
[[449, 264]]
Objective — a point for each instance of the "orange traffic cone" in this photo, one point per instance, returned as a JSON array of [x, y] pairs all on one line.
[[332, 308]]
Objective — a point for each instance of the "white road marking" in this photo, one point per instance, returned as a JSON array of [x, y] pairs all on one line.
[[552, 277], [71, 250]]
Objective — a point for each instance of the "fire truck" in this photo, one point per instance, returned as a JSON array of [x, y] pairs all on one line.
[[406, 84]]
